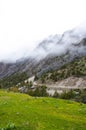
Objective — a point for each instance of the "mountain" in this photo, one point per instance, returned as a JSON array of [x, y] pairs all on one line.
[[51, 53]]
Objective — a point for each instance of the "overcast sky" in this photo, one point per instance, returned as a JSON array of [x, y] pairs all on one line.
[[22, 22]]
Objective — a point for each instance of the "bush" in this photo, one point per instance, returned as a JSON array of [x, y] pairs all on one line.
[[36, 77], [40, 91], [68, 95], [56, 95], [81, 97]]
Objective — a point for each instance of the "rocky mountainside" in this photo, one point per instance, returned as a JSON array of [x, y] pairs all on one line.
[[71, 76], [50, 54]]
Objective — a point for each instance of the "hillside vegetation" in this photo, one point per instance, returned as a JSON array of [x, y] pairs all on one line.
[[22, 112], [13, 80], [76, 68]]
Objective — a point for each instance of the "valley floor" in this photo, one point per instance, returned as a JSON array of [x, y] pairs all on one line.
[[30, 113]]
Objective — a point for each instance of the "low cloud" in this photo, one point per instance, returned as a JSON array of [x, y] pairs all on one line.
[[60, 44], [54, 44]]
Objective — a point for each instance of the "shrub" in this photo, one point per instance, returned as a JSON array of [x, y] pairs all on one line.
[[81, 97], [56, 95], [36, 77], [68, 95], [40, 91]]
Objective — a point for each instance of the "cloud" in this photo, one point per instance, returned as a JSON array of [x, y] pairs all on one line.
[[59, 45], [23, 22]]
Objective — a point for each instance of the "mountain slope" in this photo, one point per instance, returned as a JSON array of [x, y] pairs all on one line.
[[50, 54], [76, 68]]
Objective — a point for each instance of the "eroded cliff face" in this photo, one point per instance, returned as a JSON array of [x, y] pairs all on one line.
[[71, 83]]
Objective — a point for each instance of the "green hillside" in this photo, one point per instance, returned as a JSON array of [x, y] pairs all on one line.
[[75, 68], [22, 112], [12, 80]]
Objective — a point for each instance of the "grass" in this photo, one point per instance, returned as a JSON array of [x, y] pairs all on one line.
[[28, 113]]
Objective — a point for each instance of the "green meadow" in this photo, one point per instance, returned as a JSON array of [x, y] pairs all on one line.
[[23, 112]]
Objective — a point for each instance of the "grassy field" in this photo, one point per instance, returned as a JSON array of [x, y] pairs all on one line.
[[28, 113]]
